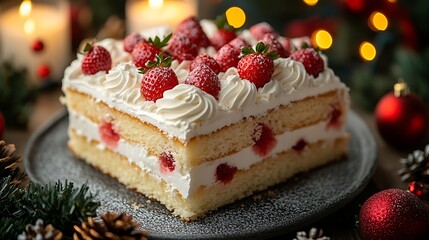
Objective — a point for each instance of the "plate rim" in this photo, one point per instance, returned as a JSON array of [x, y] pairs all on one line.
[[371, 157]]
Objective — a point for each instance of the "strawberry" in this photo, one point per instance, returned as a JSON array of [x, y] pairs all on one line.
[[96, 59], [287, 45], [182, 48], [227, 57], [167, 162], [238, 43], [311, 60], [205, 79], [224, 34], [257, 66], [108, 134], [131, 40], [207, 60], [259, 30], [145, 51], [225, 173], [158, 78], [222, 37], [192, 28], [274, 45]]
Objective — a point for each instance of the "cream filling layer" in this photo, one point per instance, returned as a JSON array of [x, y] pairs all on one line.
[[186, 183]]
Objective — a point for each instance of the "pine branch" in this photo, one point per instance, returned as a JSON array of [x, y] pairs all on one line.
[[11, 227], [10, 196], [60, 205]]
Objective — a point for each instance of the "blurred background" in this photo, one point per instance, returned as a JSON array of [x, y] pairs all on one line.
[[370, 43]]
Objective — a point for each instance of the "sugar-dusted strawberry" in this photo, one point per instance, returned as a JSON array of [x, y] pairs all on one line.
[[311, 59], [224, 34], [96, 59], [206, 60], [205, 79], [227, 57], [131, 40], [275, 46], [287, 45], [192, 28], [182, 48], [158, 78], [259, 30], [145, 51], [225, 173], [238, 43], [257, 66]]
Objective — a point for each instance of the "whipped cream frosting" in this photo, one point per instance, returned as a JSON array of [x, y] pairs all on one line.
[[237, 94], [186, 183], [186, 111], [186, 104]]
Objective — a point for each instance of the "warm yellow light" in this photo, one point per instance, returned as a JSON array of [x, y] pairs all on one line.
[[322, 39], [392, 1], [235, 17], [367, 51], [378, 21], [156, 4], [25, 8], [311, 2], [29, 26]]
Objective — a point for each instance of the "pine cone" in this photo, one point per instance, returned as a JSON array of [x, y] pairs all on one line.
[[114, 226], [415, 166], [9, 163], [40, 232], [313, 234]]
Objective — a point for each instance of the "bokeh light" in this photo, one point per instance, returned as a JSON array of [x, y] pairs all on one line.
[[311, 2], [367, 51], [25, 8], [378, 21], [322, 39], [235, 17]]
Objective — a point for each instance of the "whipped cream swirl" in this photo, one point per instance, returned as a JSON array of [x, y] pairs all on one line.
[[123, 82], [235, 94], [291, 74], [269, 91], [181, 69], [186, 104]]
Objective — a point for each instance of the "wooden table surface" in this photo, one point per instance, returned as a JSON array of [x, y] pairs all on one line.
[[340, 225]]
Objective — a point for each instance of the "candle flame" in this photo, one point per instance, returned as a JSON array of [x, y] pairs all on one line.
[[29, 26], [157, 4], [25, 8]]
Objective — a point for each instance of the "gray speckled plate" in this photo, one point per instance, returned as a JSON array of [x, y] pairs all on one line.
[[300, 201]]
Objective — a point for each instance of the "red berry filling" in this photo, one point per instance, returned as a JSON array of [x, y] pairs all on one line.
[[167, 162], [264, 139], [335, 120], [225, 173], [108, 134], [300, 145]]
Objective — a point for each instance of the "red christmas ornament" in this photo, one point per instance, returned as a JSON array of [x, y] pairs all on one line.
[[43, 71], [402, 117], [416, 188], [2, 125], [394, 214], [38, 45]]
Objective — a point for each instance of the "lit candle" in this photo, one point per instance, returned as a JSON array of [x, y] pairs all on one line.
[[142, 14], [21, 27]]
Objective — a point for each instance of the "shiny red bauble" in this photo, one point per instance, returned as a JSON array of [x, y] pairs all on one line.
[[402, 119], [394, 214]]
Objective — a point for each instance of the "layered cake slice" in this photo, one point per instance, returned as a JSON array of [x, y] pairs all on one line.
[[210, 127]]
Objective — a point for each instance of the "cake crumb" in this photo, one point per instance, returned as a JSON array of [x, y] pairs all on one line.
[[257, 197], [271, 193]]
